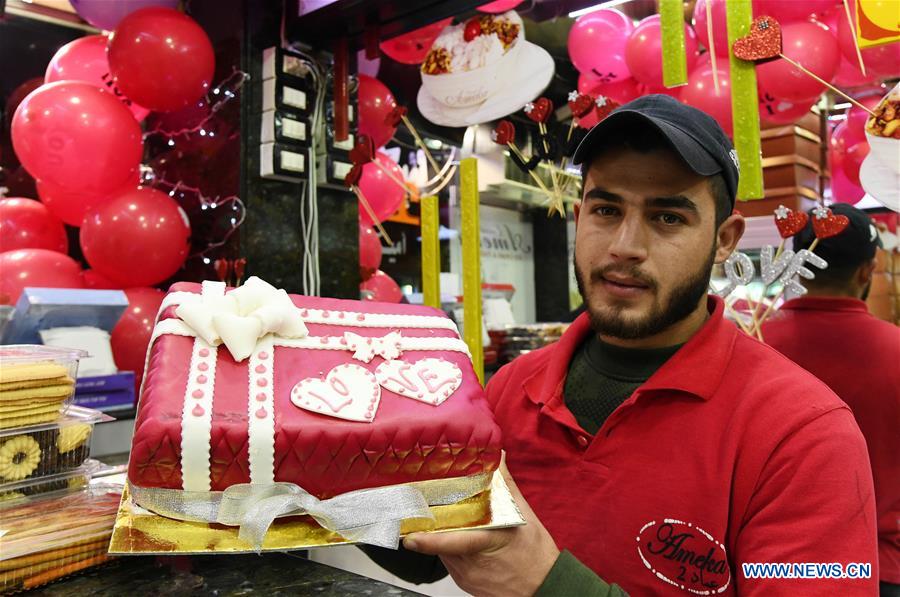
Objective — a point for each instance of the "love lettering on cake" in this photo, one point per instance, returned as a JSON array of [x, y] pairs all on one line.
[[257, 405]]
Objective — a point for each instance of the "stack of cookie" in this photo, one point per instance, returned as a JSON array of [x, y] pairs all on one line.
[[33, 393]]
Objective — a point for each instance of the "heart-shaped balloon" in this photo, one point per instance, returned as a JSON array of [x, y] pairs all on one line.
[[351, 179], [789, 222], [395, 116], [428, 380], [539, 110], [363, 150], [504, 133], [762, 44], [348, 392], [580, 104], [825, 224]]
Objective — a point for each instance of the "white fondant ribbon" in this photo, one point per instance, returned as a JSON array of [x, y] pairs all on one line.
[[241, 317], [367, 348]]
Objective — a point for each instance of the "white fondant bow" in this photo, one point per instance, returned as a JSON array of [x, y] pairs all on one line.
[[367, 348], [243, 316]]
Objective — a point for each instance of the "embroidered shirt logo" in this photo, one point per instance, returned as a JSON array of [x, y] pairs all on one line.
[[684, 555]]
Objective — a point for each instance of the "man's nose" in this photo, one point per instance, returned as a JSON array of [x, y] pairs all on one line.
[[629, 242]]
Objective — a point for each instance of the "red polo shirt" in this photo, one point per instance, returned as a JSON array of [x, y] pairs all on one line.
[[728, 454], [858, 356]]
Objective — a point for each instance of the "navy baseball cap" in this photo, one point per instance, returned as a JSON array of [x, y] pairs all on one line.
[[852, 247], [693, 134]]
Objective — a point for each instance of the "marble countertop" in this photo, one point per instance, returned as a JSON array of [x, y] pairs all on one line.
[[271, 574]]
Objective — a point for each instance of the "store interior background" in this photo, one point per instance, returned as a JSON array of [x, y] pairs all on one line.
[[526, 254]]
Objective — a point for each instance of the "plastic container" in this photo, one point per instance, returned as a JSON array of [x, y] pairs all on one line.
[[47, 448], [12, 493], [46, 537], [37, 383]]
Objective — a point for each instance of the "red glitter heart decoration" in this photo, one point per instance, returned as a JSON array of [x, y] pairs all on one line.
[[581, 105], [363, 151], [605, 106], [353, 176], [539, 110], [504, 133], [830, 225], [762, 44], [791, 223], [395, 116]]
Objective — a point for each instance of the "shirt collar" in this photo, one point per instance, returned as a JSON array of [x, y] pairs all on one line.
[[697, 368], [826, 303]]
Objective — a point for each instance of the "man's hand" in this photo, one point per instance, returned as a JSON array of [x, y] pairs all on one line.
[[513, 561]]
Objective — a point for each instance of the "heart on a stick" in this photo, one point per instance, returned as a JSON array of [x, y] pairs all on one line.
[[395, 116], [539, 110], [504, 132], [789, 222], [351, 179], [825, 224], [580, 104], [764, 42], [429, 380], [348, 392], [363, 151]]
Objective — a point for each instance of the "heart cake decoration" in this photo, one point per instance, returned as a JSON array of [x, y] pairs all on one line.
[[503, 133], [428, 380], [763, 43], [348, 392], [825, 224], [580, 104], [539, 110], [789, 222]]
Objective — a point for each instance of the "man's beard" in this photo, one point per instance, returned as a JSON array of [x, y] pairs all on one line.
[[682, 301]]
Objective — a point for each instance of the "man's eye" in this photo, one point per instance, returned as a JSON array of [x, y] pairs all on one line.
[[606, 211], [670, 219]]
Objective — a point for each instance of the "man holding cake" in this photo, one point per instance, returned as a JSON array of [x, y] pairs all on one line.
[[660, 449]]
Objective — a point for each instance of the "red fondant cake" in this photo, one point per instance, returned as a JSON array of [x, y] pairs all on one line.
[[330, 395]]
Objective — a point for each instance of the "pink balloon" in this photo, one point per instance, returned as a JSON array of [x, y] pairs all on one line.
[[499, 6], [809, 43], [720, 27], [76, 136], [382, 288], [98, 281], [786, 11], [137, 239], [774, 111], [85, 60], [375, 103], [28, 224], [35, 268], [849, 75], [380, 190], [621, 91], [843, 190], [597, 44], [857, 117], [846, 152], [72, 206], [882, 61], [369, 252], [700, 92], [643, 51]]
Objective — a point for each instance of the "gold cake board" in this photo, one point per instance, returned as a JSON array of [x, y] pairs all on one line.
[[141, 532]]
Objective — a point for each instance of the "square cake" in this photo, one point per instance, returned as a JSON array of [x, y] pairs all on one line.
[[254, 386]]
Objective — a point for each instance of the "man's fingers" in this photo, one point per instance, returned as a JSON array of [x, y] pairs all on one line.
[[456, 543]]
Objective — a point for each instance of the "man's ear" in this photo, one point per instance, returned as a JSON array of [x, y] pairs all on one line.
[[576, 208], [729, 233], [865, 272]]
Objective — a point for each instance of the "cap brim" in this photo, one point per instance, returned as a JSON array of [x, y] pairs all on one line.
[[691, 151]]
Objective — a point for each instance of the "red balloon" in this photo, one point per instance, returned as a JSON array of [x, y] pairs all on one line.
[[881, 61], [809, 43], [131, 335], [412, 47], [786, 11], [846, 152], [18, 94], [85, 60], [27, 224], [98, 281], [138, 238], [380, 190], [621, 91], [844, 190], [857, 117], [375, 103], [498, 6], [849, 75], [72, 206], [161, 58], [774, 111], [35, 268], [369, 252], [643, 51], [719, 27], [380, 287], [74, 135], [700, 92]]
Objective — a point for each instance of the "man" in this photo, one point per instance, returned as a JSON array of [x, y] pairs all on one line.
[[655, 446], [858, 357]]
